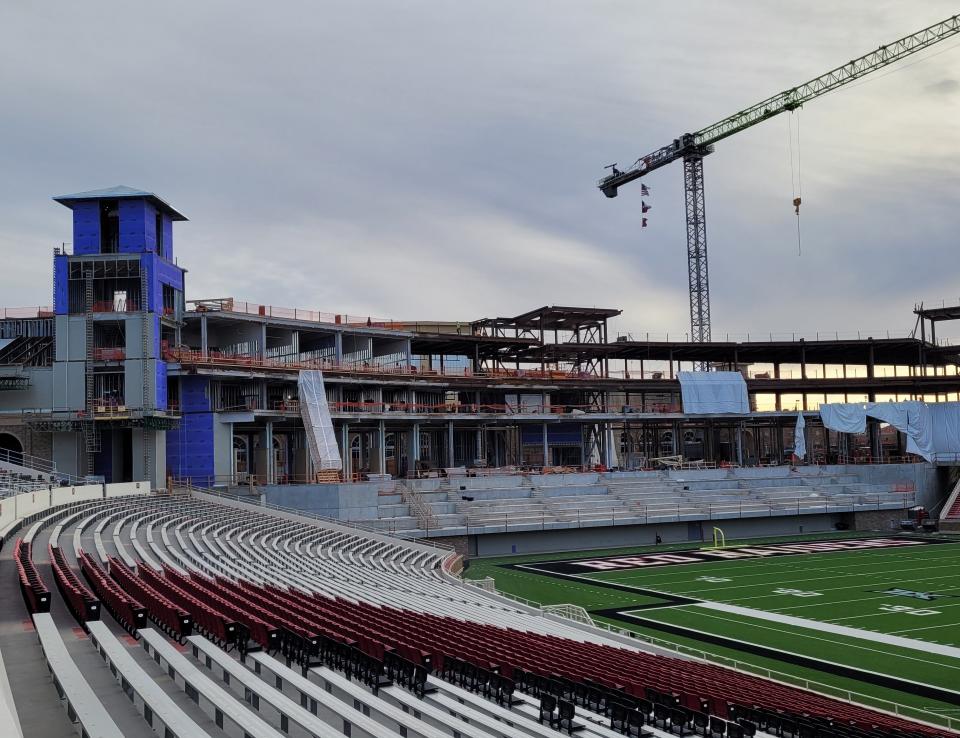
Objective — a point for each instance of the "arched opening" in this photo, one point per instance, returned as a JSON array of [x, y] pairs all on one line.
[[10, 448], [241, 459]]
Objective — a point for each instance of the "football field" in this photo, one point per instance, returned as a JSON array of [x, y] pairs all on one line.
[[876, 617]]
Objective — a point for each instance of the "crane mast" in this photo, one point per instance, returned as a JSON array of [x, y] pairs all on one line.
[[692, 147]]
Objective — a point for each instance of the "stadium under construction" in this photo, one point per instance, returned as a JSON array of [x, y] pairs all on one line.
[[125, 379]]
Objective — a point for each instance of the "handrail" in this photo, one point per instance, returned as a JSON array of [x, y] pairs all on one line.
[[41, 467]]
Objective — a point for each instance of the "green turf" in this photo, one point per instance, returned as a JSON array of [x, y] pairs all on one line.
[[843, 687], [845, 588]]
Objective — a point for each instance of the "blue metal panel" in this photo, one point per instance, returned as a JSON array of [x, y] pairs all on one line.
[[61, 302], [565, 433], [156, 337], [161, 385], [86, 228], [159, 273], [190, 447], [133, 217], [167, 226], [150, 227]]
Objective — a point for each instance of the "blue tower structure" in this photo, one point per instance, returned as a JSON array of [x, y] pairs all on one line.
[[117, 297]]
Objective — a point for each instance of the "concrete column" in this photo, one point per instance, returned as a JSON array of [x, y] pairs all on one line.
[[610, 456], [338, 348], [451, 456], [345, 454], [263, 341], [382, 448], [546, 446], [480, 454], [407, 354], [204, 346], [268, 438], [415, 445]]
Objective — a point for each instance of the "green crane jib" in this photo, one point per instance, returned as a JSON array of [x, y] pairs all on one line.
[[692, 147]]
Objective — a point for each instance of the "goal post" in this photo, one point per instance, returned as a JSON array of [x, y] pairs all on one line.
[[719, 540]]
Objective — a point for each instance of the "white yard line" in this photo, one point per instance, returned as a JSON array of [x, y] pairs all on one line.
[[846, 644], [789, 582], [843, 630]]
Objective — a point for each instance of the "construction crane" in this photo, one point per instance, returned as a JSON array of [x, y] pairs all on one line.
[[692, 147]]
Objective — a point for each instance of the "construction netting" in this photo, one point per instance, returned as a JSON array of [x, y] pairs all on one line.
[[315, 412]]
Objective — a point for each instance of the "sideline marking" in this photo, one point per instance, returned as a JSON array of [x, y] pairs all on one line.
[[944, 694], [891, 640]]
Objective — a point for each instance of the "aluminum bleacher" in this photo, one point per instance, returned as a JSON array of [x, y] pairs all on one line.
[[555, 501], [271, 624]]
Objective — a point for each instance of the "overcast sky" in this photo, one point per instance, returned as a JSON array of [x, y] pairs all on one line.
[[438, 160]]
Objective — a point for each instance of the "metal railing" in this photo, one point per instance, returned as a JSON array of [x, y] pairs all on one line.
[[26, 312], [782, 336]]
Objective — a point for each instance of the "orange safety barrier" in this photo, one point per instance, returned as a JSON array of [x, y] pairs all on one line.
[[109, 354]]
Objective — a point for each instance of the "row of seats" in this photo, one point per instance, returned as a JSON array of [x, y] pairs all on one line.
[[383, 611], [34, 590], [81, 601], [174, 620], [428, 640], [571, 500], [208, 617], [127, 611]]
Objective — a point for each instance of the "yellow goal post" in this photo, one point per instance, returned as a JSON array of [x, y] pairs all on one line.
[[719, 540]]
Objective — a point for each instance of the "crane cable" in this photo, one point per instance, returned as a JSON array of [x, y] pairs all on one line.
[[796, 184]]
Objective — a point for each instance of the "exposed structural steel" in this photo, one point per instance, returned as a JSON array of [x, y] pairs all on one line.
[[692, 147]]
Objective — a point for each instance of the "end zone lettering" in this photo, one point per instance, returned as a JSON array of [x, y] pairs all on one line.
[[642, 561]]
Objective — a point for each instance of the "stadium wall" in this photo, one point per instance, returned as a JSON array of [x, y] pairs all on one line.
[[585, 539], [348, 502]]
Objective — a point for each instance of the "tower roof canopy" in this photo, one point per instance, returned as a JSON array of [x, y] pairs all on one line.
[[120, 192]]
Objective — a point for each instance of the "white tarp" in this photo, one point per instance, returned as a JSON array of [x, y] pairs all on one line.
[[846, 417], [799, 439], [945, 425], [316, 421], [932, 430], [714, 392]]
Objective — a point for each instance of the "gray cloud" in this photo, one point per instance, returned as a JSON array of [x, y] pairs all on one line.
[[943, 87], [436, 159]]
